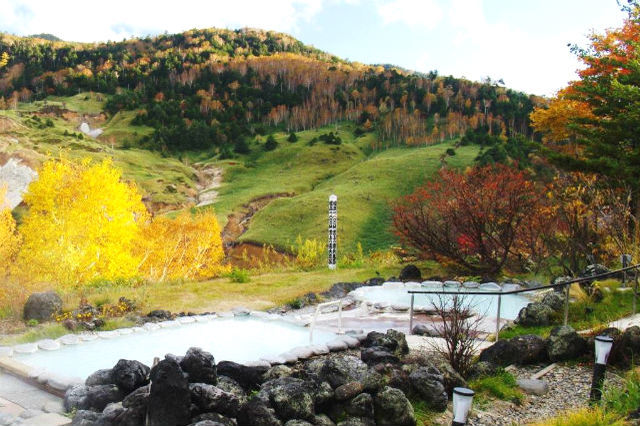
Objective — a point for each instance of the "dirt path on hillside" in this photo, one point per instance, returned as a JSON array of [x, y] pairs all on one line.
[[238, 221], [209, 180]]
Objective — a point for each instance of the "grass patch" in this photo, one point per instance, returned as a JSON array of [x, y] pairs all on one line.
[[626, 399], [39, 332], [585, 417], [502, 385], [365, 190], [424, 416], [583, 314]]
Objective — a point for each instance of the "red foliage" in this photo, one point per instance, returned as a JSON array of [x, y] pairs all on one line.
[[479, 219]]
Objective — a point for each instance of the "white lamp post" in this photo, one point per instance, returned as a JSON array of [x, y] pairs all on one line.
[[333, 230], [462, 399], [603, 349]]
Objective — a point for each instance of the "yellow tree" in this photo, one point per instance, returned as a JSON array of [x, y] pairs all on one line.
[[9, 239], [187, 247], [81, 224]]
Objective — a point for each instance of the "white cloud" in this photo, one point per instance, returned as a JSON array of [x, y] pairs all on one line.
[[78, 21], [414, 13]]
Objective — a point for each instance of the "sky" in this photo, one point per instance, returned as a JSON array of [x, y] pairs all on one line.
[[523, 42]]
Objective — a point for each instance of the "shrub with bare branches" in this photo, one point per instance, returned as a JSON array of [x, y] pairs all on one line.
[[459, 328]]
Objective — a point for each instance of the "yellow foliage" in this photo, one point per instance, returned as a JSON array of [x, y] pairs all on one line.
[[187, 247], [4, 59], [81, 224], [309, 253], [9, 239]]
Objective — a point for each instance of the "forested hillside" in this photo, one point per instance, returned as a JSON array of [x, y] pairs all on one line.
[[215, 89]]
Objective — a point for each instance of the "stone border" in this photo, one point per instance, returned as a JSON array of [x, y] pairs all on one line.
[[57, 384]]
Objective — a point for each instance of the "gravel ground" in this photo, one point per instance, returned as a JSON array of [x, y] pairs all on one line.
[[569, 387]]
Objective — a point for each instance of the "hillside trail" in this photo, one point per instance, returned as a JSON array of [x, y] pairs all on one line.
[[242, 254], [209, 180]]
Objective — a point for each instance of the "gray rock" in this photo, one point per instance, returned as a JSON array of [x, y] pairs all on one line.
[[534, 314], [214, 417], [323, 420], [564, 344], [227, 384], [53, 407], [211, 398], [393, 341], [533, 387], [42, 306], [429, 384], [357, 421], [425, 330], [348, 391], [554, 300], [298, 423], [360, 406], [95, 398], [532, 349], [378, 355], [291, 398], [392, 408], [249, 377], [276, 372], [339, 370], [130, 375], [169, 400], [482, 369], [85, 418], [257, 413], [200, 365], [100, 377]]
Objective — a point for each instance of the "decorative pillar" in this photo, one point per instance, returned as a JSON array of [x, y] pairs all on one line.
[[333, 230]]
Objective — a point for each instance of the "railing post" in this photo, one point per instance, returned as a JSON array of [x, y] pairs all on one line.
[[340, 317], [498, 317], [635, 290], [566, 303], [411, 314], [313, 324]]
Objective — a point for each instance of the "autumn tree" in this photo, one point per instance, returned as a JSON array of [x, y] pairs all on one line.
[[474, 219], [81, 224], [187, 247], [601, 108], [9, 239]]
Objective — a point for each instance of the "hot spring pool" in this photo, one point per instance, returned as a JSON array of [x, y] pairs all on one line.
[[234, 339], [397, 294]]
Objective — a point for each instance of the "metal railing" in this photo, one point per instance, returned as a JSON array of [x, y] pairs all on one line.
[[317, 312], [565, 284]]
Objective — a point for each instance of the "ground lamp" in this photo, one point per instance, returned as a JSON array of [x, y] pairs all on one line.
[[462, 399], [603, 348]]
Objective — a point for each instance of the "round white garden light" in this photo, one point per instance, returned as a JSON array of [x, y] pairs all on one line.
[[603, 349], [462, 399]]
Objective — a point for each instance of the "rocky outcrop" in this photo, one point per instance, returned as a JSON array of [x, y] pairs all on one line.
[[336, 388], [42, 306], [200, 366], [564, 344], [170, 398], [130, 375]]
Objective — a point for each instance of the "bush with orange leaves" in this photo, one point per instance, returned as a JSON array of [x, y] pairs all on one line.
[[476, 219], [188, 247]]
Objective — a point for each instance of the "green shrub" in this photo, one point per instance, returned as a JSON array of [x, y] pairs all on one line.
[[292, 137], [239, 275], [502, 385], [32, 322], [271, 143], [451, 152]]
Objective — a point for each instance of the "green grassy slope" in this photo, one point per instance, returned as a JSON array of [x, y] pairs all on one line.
[[30, 140], [364, 193]]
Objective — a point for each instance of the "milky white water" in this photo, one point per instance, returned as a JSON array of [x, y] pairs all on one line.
[[232, 339], [484, 305]]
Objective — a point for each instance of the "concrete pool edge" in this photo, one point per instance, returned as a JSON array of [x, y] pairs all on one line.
[[57, 384]]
